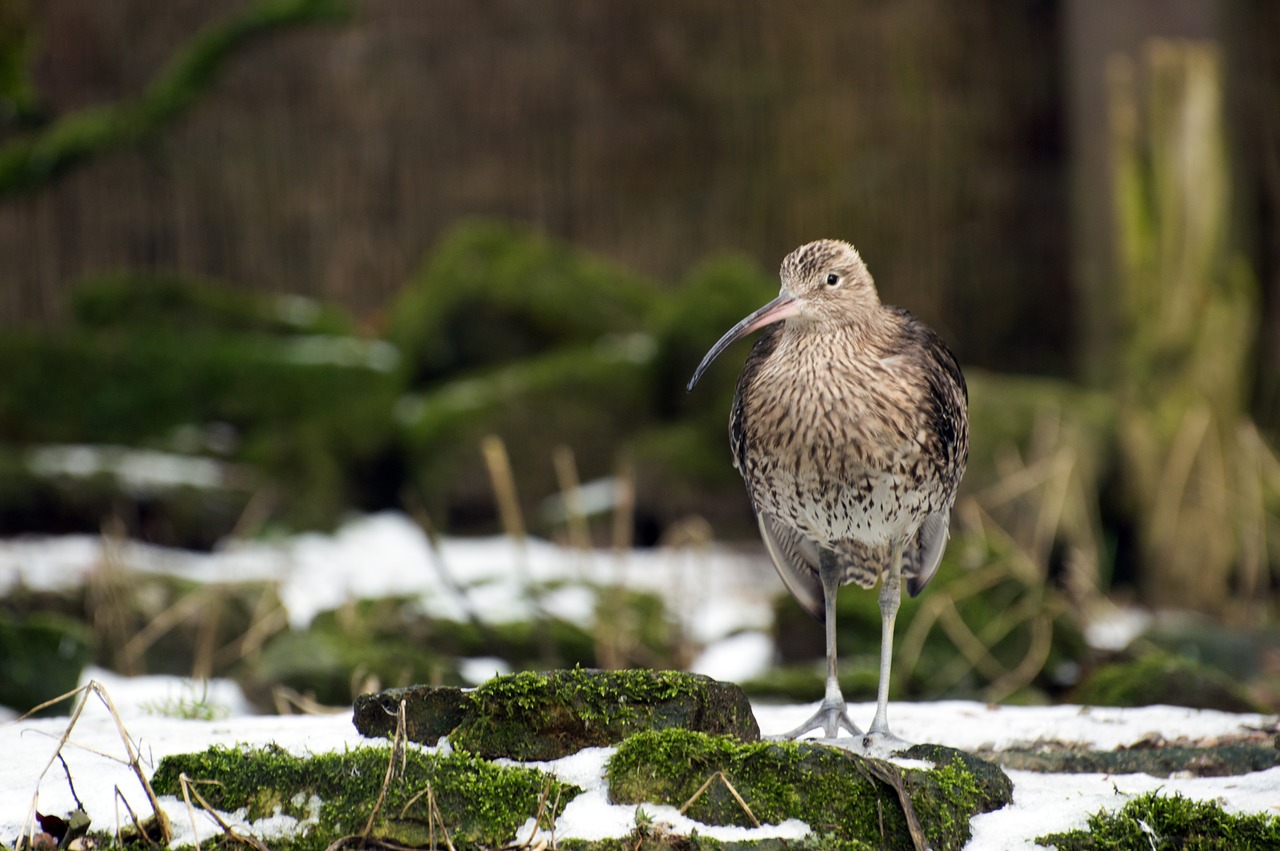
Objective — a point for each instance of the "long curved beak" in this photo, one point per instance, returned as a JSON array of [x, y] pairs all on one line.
[[786, 304]]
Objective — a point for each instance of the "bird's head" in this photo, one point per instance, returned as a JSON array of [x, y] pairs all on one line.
[[825, 284]]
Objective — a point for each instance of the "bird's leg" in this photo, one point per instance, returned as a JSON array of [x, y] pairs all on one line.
[[890, 597], [832, 715]]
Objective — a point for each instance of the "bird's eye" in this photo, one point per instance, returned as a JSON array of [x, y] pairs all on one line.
[[833, 280]]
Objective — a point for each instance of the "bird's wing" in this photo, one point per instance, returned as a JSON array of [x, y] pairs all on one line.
[[795, 557], [931, 540]]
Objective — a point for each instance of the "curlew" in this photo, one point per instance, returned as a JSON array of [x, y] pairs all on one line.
[[850, 429]]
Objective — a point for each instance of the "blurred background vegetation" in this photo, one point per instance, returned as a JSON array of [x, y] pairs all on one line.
[[324, 249]]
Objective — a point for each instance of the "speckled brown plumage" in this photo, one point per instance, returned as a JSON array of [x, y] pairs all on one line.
[[850, 429]]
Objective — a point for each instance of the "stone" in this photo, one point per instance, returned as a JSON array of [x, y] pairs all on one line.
[[430, 712], [544, 716], [843, 796]]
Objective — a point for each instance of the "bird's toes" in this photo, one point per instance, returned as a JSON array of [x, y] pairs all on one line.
[[882, 743]]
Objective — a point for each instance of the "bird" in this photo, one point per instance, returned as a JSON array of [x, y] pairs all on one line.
[[849, 426]]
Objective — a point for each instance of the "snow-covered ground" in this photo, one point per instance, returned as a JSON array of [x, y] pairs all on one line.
[[723, 598]]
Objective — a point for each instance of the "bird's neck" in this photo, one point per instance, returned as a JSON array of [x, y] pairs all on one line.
[[855, 332]]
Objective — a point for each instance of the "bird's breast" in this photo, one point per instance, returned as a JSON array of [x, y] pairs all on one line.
[[833, 447]]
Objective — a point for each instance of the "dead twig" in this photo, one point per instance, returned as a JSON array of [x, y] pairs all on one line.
[[732, 791], [398, 755], [537, 817], [397, 749], [891, 776], [188, 790]]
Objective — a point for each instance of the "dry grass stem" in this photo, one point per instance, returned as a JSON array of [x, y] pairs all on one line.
[[1024, 673], [397, 750], [192, 607], [891, 776], [537, 818], [719, 775], [624, 508], [288, 701], [189, 790], [498, 463], [265, 623], [570, 485], [134, 761]]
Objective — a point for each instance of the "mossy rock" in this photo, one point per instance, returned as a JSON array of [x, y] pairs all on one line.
[[682, 462], [841, 795], [709, 301], [1224, 760], [431, 712], [1163, 678], [142, 300], [589, 397], [400, 621], [326, 663], [543, 716], [492, 294], [480, 804], [273, 396], [1170, 821], [43, 501], [41, 657]]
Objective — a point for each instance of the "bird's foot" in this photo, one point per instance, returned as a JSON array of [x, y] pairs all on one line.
[[831, 718], [882, 743]]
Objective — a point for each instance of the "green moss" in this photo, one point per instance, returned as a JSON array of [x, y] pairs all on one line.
[[589, 396], [41, 656], [946, 798], [842, 796], [399, 621], [805, 682], [1158, 821], [141, 388], [636, 627], [494, 294], [1164, 678], [531, 716], [30, 163], [477, 802], [325, 665], [147, 301], [712, 297]]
